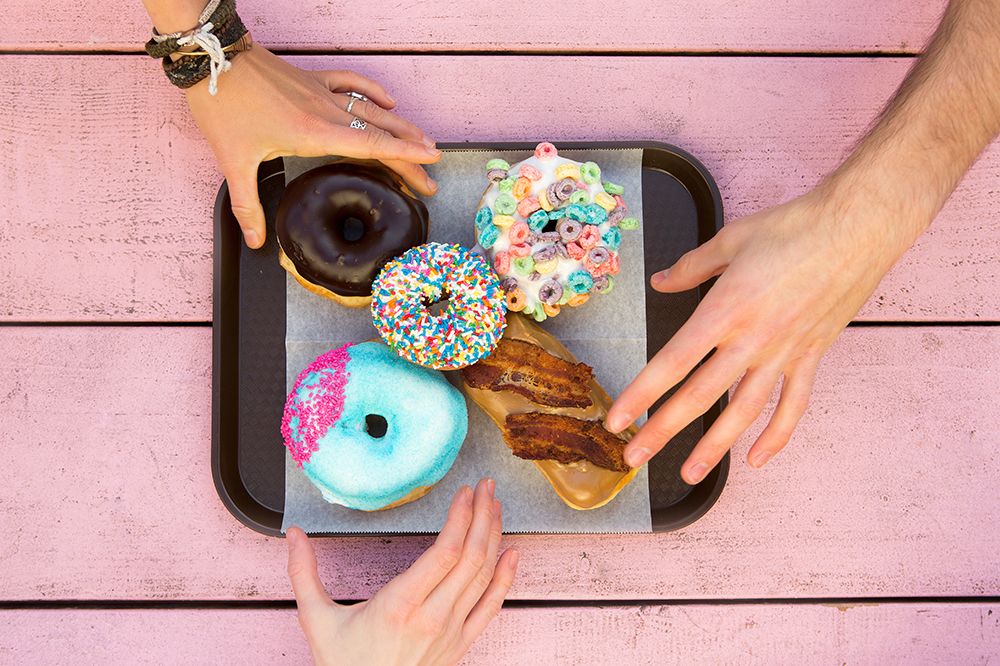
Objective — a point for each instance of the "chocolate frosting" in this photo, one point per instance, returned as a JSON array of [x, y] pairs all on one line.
[[340, 223]]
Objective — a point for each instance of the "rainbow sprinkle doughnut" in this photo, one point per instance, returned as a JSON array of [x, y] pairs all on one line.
[[551, 228], [471, 324], [357, 441]]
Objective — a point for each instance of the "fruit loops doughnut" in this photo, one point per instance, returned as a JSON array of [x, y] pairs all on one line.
[[468, 328], [551, 228]]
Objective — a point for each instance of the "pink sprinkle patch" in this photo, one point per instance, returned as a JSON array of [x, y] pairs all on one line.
[[320, 405]]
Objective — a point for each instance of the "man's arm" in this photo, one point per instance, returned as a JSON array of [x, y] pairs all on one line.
[[943, 115], [791, 278]]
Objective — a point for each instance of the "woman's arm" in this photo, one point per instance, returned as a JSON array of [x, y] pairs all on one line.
[[266, 108], [791, 278]]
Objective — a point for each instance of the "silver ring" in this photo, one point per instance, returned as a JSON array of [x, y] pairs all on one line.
[[355, 96], [357, 123]]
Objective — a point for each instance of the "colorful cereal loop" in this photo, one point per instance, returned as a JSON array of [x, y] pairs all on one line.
[[605, 201], [538, 220], [590, 172], [522, 187], [530, 172], [505, 204], [484, 218], [567, 171], [515, 300], [489, 236], [580, 281], [545, 151], [527, 206]]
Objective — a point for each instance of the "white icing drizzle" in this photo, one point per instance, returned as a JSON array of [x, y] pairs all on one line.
[[565, 266]]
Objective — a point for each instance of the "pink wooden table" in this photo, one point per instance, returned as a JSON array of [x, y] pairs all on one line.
[[873, 538]]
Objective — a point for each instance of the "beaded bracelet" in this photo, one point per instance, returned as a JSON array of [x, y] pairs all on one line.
[[219, 32]]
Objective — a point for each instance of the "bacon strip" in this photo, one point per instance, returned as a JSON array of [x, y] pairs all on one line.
[[538, 436], [530, 371]]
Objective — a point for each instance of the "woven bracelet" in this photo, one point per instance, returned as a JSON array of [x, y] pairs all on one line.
[[219, 31]]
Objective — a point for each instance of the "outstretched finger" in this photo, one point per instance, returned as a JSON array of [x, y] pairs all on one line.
[[371, 143], [413, 585], [246, 204], [696, 338], [303, 573], [471, 595], [691, 400], [342, 81], [792, 404], [693, 268], [489, 605], [387, 120], [747, 403], [441, 602], [414, 175]]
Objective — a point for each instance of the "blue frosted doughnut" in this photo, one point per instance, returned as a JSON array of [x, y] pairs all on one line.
[[370, 430]]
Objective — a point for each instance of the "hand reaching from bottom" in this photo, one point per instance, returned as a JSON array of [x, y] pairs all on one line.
[[429, 614]]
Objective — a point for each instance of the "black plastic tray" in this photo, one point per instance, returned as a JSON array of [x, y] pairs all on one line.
[[681, 209]]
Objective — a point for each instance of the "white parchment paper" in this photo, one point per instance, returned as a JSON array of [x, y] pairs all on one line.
[[608, 333]]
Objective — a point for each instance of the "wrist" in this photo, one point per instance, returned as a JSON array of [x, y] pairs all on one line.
[[174, 15], [887, 203]]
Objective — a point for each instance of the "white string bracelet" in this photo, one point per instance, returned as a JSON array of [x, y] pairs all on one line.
[[203, 37]]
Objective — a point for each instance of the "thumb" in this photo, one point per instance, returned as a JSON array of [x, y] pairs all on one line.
[[692, 268], [246, 205], [303, 573]]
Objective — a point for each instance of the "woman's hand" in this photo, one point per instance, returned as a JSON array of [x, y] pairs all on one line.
[[429, 614], [266, 108], [791, 278]]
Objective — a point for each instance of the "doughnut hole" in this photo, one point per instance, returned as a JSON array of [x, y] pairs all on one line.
[[376, 426], [438, 307], [352, 229]]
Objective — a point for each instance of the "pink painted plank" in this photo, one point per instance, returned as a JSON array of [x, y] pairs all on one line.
[[517, 25], [888, 489], [699, 634], [112, 195]]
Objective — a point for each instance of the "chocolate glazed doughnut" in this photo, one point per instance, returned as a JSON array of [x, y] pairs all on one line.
[[338, 224]]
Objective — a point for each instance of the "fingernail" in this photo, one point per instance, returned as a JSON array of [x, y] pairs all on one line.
[[658, 278], [429, 143], [637, 457], [252, 239], [467, 495], [515, 557], [491, 486], [390, 99], [433, 152], [759, 459], [697, 472], [616, 422], [431, 185]]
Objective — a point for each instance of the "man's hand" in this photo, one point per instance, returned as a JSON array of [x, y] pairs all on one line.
[[267, 108], [790, 279], [429, 614]]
